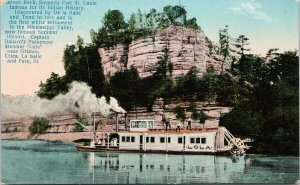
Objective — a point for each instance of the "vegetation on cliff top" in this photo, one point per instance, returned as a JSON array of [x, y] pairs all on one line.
[[116, 30], [262, 90]]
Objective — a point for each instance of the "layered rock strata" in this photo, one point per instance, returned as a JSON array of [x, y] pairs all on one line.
[[185, 48]]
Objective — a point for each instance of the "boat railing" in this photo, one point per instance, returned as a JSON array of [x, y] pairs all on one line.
[[185, 130], [231, 140], [168, 130]]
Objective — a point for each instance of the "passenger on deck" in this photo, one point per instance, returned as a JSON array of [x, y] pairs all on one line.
[[189, 126], [178, 126], [103, 142], [95, 138], [99, 141], [168, 124], [163, 121]]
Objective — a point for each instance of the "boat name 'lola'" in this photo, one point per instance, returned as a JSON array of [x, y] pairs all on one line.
[[198, 147]]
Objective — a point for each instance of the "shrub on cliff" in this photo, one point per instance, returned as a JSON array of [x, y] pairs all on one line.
[[180, 113], [79, 127], [39, 126]]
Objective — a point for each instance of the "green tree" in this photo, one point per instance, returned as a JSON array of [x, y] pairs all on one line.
[[227, 91], [167, 91], [188, 85], [79, 127], [124, 87], [199, 115], [243, 122], [102, 38], [164, 66], [82, 63], [241, 44], [53, 86], [224, 45], [272, 53], [180, 113], [151, 19], [113, 21], [176, 14], [149, 90], [39, 126], [132, 22], [192, 23], [141, 20], [268, 108], [209, 85]]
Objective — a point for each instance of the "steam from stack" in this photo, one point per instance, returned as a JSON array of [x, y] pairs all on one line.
[[79, 100]]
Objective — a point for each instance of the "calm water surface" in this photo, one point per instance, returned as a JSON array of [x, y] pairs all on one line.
[[38, 162]]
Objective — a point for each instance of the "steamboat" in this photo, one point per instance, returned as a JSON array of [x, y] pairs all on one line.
[[143, 137]]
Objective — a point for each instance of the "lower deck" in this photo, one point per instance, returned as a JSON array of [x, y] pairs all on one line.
[[116, 149]]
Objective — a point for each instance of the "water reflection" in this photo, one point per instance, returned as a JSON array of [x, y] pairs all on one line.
[[178, 168], [39, 162]]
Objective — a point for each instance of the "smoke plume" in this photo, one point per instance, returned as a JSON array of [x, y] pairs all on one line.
[[79, 99]]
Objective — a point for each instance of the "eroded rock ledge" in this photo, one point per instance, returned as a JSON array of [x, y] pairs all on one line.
[[186, 48]]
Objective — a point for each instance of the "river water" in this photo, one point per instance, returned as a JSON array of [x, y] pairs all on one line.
[[39, 162]]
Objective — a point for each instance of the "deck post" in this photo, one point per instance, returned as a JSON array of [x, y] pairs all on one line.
[[117, 126], [125, 115], [94, 122], [145, 144], [107, 140], [166, 139]]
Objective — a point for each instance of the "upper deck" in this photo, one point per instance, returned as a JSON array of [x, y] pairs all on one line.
[[161, 131], [148, 126]]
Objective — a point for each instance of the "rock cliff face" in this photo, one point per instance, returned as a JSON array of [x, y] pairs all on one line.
[[185, 48], [212, 110]]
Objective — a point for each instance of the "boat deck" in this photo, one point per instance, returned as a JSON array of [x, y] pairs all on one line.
[[161, 131]]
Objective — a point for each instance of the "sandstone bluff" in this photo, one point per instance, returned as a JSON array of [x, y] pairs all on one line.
[[185, 48]]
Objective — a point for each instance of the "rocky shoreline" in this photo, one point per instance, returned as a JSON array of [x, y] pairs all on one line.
[[64, 137]]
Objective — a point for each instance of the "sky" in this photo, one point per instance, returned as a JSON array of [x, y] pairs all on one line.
[[267, 24]]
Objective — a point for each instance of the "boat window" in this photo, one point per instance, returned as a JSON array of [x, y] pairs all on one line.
[[192, 140], [150, 124], [162, 139], [147, 139], [169, 139], [179, 139], [203, 140], [132, 139], [143, 124], [198, 140], [127, 139], [123, 138], [133, 124], [152, 139], [138, 125]]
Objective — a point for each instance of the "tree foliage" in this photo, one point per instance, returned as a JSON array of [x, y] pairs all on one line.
[[53, 86], [116, 30], [180, 113], [224, 45], [39, 126], [79, 127], [124, 87], [268, 109], [114, 21]]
